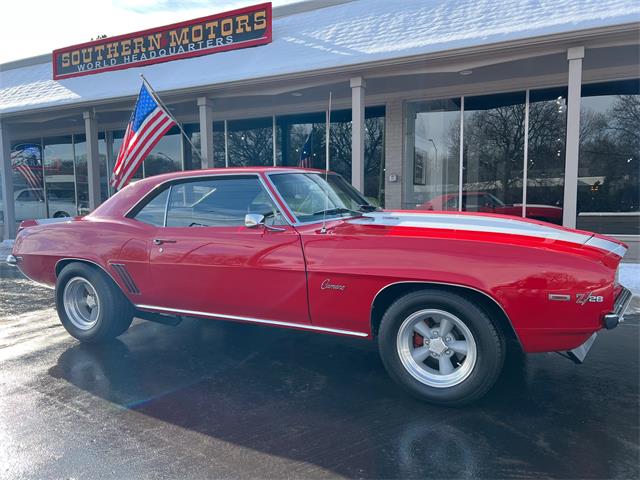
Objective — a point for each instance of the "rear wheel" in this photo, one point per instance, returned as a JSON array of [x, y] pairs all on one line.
[[90, 305], [440, 347]]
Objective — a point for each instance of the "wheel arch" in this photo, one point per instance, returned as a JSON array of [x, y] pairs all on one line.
[[63, 262], [388, 294]]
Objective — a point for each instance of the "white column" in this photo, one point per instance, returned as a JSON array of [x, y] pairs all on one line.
[[394, 171], [357, 132], [93, 158], [206, 132], [574, 56], [6, 174]]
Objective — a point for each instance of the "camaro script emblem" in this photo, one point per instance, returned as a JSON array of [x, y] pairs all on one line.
[[327, 285]]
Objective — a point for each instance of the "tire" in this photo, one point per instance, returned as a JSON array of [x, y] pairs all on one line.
[[465, 378], [111, 314], [61, 215]]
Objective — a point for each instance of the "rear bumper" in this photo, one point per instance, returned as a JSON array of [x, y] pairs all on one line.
[[11, 260], [610, 321]]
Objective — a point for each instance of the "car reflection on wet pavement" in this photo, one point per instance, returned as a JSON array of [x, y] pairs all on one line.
[[213, 399]]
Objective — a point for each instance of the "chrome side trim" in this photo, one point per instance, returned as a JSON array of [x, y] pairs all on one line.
[[425, 282], [559, 297], [253, 320]]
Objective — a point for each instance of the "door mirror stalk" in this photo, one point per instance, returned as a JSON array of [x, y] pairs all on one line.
[[254, 220]]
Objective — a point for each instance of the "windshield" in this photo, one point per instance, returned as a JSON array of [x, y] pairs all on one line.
[[311, 198]]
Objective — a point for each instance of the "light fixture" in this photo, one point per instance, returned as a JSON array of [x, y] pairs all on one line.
[[465, 72]]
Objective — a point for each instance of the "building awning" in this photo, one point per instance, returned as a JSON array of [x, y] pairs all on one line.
[[348, 34]]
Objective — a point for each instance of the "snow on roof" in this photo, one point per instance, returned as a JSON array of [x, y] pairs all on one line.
[[347, 34]]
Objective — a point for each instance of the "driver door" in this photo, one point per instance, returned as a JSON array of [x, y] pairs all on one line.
[[206, 260]]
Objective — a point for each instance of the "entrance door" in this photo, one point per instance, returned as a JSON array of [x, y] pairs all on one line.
[[206, 260]]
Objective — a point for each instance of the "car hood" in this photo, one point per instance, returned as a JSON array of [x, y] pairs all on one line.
[[497, 224]]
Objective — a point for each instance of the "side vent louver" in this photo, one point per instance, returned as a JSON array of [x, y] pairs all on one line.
[[122, 272]]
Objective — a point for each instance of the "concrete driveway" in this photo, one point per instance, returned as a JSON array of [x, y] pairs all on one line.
[[209, 399]]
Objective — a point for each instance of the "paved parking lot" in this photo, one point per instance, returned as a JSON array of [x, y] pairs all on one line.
[[217, 400]]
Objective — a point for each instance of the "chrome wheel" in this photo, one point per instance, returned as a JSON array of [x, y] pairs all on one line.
[[436, 348], [81, 303]]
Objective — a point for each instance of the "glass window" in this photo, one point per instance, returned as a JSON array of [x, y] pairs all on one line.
[[82, 172], [118, 135], [340, 150], [192, 161], [166, 156], [218, 202], [153, 212], [493, 152], [433, 146], [609, 157], [59, 176], [250, 142], [26, 161], [546, 154], [311, 197], [302, 140]]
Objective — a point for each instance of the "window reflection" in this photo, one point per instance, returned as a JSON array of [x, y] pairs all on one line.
[[166, 156], [608, 168], [433, 146], [302, 140], [493, 153], [250, 142], [59, 177], [546, 154], [28, 185], [82, 172], [340, 150]]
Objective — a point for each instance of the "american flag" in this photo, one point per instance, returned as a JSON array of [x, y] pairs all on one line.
[[21, 160], [149, 122], [306, 160]]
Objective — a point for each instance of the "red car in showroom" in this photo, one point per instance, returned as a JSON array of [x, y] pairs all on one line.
[[486, 203], [442, 293]]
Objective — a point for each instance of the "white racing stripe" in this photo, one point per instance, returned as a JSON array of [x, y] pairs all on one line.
[[479, 223]]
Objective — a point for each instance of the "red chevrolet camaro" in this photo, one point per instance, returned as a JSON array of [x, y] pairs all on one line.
[[442, 293]]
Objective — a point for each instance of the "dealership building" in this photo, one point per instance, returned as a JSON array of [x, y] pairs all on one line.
[[521, 108]]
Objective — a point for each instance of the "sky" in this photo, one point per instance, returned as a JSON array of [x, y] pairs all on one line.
[[34, 27]]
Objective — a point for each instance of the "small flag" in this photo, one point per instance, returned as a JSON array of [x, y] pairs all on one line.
[[149, 122], [305, 155], [21, 161]]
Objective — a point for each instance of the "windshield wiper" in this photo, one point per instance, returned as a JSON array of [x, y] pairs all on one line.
[[367, 208], [334, 211]]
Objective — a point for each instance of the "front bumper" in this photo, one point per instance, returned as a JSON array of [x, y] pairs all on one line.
[[610, 321]]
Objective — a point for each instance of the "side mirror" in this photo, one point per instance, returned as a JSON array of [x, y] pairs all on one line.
[[253, 220]]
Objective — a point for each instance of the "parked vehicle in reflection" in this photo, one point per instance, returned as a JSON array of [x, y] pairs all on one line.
[[487, 203], [29, 204], [441, 293]]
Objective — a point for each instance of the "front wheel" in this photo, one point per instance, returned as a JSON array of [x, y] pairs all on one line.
[[90, 305], [440, 347]]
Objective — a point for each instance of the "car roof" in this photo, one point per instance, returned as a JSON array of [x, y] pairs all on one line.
[[229, 170]]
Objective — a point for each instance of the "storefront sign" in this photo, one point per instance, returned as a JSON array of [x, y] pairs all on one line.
[[242, 28]]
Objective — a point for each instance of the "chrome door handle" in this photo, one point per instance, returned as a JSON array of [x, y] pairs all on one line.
[[160, 241]]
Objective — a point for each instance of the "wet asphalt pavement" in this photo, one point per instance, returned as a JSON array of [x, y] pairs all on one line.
[[210, 399]]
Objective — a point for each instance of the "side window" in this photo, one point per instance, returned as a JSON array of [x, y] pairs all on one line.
[[153, 212], [218, 202]]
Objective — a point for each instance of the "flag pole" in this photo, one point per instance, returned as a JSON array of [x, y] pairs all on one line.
[[156, 97]]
